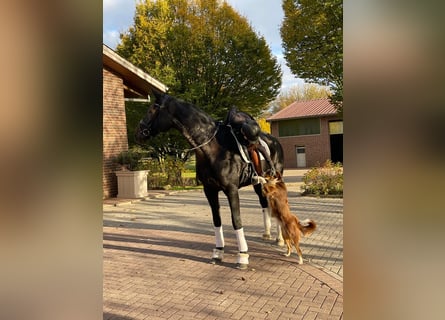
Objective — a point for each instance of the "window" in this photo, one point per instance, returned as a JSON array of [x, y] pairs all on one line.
[[336, 127], [299, 127]]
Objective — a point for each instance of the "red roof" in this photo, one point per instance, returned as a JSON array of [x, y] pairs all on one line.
[[305, 109]]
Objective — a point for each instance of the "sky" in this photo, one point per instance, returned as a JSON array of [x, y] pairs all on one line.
[[265, 17]]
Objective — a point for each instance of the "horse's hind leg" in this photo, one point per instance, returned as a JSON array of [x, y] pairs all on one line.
[[267, 220], [279, 238], [267, 223], [212, 198], [266, 211]]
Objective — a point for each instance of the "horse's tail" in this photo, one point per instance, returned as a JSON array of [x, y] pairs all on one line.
[[307, 226], [276, 151]]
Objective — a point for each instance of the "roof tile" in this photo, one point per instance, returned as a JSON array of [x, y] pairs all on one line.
[[305, 109]]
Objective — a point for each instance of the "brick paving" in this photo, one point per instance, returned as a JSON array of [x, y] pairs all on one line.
[[157, 252]]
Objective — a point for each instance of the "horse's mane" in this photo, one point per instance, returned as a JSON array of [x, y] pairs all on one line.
[[188, 110]]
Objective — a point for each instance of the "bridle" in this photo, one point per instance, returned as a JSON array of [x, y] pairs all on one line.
[[145, 128]]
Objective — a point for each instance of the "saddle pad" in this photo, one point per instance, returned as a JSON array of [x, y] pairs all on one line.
[[244, 156]]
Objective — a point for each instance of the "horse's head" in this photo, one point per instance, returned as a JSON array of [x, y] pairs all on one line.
[[156, 120]]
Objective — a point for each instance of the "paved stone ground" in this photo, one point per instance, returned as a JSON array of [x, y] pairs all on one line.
[[156, 261]]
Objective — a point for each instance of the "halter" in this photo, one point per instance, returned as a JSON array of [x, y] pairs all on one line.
[[146, 131]]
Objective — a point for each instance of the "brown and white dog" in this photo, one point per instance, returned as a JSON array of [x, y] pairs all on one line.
[[276, 192]]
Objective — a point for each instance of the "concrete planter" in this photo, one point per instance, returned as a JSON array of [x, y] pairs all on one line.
[[131, 184]]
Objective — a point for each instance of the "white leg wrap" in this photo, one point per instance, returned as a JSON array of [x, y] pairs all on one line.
[[218, 254], [267, 223], [279, 239], [243, 258], [219, 237], [242, 244]]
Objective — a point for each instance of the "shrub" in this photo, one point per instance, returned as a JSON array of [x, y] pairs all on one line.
[[324, 181], [167, 173], [164, 173], [131, 160]]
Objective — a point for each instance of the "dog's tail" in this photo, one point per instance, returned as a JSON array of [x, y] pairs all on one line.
[[307, 226]]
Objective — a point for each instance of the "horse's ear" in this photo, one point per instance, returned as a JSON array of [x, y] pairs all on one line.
[[158, 95]]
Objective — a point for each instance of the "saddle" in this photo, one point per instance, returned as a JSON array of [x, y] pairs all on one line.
[[249, 154]]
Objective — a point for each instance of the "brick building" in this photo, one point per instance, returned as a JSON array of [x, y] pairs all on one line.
[[310, 132], [121, 80]]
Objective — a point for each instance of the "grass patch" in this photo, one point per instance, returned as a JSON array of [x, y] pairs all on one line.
[[188, 174], [179, 188]]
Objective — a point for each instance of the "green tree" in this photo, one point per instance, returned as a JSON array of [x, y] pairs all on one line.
[[312, 34], [307, 91], [205, 52], [264, 125]]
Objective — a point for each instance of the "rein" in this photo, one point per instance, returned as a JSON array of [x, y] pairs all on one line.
[[179, 124], [203, 144]]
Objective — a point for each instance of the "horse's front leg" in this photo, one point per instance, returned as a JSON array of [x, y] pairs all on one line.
[[234, 203], [212, 198]]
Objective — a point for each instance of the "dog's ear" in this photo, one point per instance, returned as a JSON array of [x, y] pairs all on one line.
[[278, 175]]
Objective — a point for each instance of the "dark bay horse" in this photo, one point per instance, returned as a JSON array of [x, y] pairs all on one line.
[[219, 165]]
